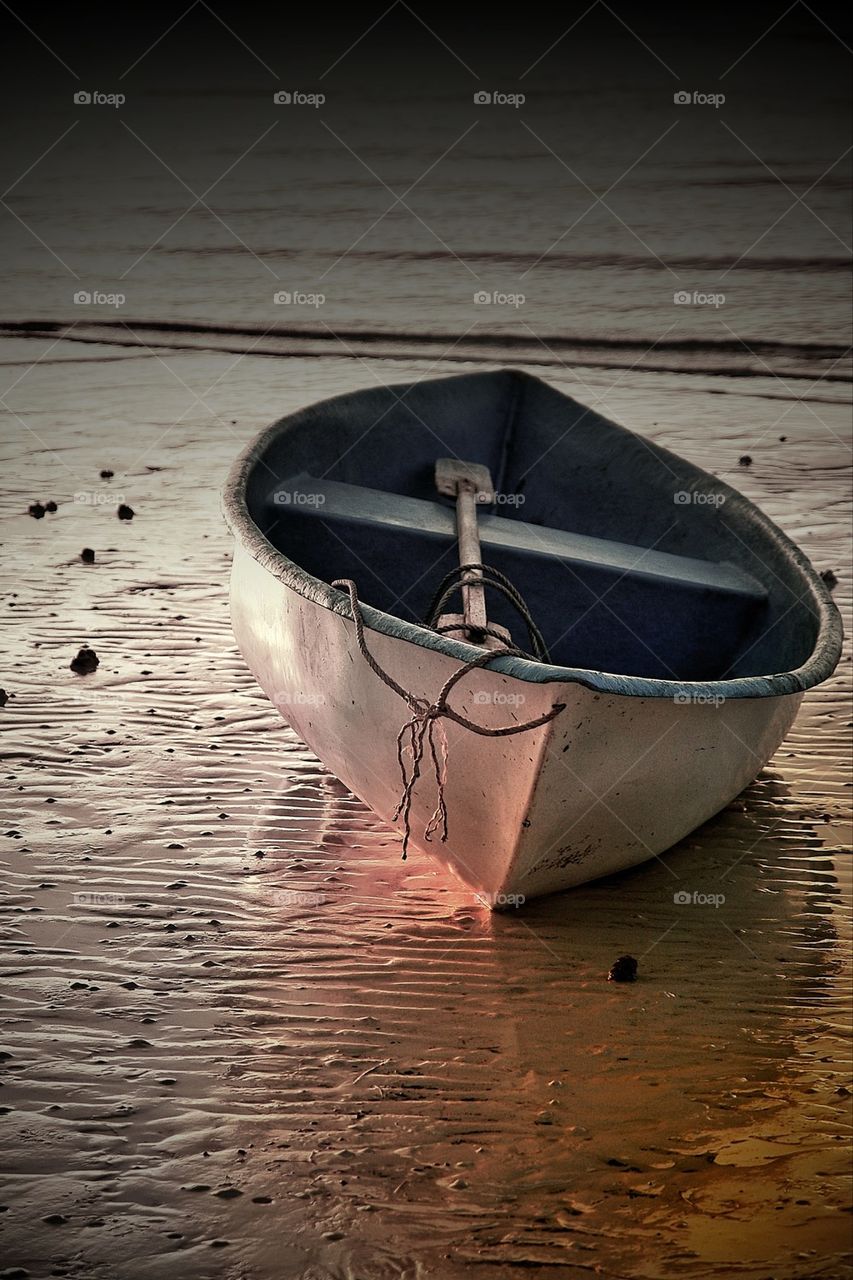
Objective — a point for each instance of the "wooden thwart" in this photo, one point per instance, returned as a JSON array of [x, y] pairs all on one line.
[[382, 512]]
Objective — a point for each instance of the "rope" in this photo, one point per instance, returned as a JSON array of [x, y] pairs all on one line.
[[425, 722], [491, 577]]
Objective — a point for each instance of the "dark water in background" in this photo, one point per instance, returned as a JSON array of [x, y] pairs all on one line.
[[748, 199]]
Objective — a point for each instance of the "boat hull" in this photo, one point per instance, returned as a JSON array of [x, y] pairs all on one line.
[[612, 781]]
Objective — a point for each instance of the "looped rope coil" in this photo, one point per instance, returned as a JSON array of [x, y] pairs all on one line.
[[490, 577], [418, 734]]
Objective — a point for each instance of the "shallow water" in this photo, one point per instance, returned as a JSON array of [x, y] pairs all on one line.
[[326, 1063]]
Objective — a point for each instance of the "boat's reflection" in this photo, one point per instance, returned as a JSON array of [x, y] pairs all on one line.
[[736, 925], [491, 1047]]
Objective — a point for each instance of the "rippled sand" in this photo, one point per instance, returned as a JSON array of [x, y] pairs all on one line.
[[242, 1039]]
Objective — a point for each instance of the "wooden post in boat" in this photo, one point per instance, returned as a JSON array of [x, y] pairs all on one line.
[[471, 485]]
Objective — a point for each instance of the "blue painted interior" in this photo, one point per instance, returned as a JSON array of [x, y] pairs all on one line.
[[577, 473], [672, 604]]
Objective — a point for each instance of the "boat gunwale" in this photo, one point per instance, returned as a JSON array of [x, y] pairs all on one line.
[[819, 665]]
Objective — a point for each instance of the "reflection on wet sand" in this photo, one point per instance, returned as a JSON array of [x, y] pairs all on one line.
[[243, 1035], [478, 1062]]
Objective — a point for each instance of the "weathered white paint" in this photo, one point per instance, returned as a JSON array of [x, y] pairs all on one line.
[[614, 780]]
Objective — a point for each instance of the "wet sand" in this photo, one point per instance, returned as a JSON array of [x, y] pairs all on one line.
[[242, 1039]]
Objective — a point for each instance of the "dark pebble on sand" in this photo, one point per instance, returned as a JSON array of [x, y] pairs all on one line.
[[125, 512], [623, 970], [55, 1219], [228, 1193], [14, 1273], [744, 460], [36, 510], [261, 1199], [829, 578], [106, 474], [4, 697], [51, 506], [87, 555], [85, 663]]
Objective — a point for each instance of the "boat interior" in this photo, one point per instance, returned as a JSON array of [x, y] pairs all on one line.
[[630, 559]]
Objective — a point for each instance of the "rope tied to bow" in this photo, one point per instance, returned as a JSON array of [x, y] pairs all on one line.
[[418, 734]]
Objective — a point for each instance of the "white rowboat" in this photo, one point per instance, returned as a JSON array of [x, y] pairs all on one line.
[[682, 626]]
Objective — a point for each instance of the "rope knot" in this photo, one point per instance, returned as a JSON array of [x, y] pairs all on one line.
[[418, 735], [423, 709]]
